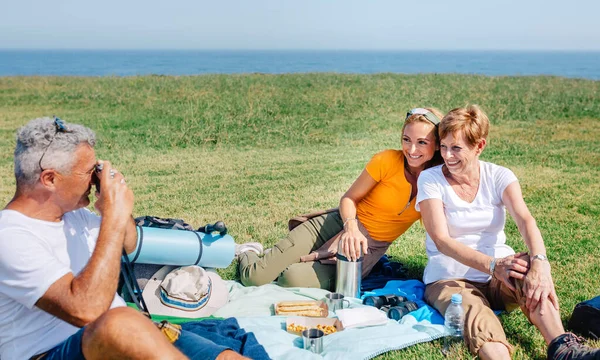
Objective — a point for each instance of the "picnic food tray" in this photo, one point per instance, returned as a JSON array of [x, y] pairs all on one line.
[[297, 324]]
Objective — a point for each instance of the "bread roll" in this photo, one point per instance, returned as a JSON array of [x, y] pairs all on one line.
[[300, 308]]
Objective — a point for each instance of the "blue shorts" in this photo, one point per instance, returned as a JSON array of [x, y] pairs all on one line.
[[192, 345], [197, 347], [69, 349]]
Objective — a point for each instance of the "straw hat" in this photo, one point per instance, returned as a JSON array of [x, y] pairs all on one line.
[[188, 291]]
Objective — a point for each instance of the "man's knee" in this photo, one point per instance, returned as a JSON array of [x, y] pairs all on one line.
[[113, 323]]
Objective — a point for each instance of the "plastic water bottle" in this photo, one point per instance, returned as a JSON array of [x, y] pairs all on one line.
[[454, 321]]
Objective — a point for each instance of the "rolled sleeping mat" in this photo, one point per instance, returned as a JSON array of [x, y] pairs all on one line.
[[180, 247]]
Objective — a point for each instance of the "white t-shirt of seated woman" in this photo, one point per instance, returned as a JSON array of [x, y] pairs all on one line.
[[478, 224]]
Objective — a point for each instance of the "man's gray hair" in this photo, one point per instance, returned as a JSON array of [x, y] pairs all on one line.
[[41, 135]]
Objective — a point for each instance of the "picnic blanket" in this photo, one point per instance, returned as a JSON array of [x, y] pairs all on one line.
[[253, 308]]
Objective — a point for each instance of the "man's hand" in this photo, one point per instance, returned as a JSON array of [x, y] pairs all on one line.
[[115, 198]]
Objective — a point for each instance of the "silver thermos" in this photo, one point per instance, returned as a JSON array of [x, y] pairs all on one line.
[[349, 274]]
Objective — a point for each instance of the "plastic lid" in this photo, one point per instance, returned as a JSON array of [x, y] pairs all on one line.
[[457, 298]]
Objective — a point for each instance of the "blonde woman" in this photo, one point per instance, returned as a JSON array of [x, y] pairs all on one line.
[[377, 209]]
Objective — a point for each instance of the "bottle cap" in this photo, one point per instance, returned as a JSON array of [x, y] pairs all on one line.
[[457, 298]]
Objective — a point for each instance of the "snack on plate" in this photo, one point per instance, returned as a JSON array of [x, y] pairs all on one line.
[[327, 329], [301, 308], [295, 328]]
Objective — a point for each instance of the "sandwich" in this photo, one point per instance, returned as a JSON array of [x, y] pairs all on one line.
[[301, 308]]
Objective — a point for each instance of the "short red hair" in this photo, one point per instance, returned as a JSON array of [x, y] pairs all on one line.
[[471, 121]]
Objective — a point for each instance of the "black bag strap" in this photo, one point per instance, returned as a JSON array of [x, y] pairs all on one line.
[[132, 285]]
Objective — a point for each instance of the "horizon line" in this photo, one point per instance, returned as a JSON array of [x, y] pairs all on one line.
[[300, 49]]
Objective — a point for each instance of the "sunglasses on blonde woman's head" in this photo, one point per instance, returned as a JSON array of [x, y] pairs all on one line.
[[425, 113], [59, 127]]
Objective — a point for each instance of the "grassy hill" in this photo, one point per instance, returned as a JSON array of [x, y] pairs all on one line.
[[255, 150]]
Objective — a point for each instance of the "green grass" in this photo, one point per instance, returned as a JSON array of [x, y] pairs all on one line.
[[255, 150]]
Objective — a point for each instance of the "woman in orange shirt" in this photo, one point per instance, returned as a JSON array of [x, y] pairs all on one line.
[[375, 211]]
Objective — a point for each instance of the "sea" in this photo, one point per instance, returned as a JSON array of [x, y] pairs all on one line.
[[571, 64]]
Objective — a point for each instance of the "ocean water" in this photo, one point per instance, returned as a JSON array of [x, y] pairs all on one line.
[[584, 65]]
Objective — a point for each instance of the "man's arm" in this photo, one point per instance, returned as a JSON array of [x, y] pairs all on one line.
[[81, 299], [130, 236]]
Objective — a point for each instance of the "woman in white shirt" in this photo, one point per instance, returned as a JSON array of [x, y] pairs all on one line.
[[462, 204]]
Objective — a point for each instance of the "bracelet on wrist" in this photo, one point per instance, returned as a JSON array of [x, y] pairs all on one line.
[[492, 266], [347, 220], [541, 257]]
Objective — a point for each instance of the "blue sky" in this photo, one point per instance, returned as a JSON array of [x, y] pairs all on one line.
[[301, 24]]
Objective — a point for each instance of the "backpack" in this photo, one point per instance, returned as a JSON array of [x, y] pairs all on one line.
[[163, 223], [586, 318], [179, 224]]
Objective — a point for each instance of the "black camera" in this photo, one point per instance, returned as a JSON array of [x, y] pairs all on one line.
[[95, 177], [383, 300]]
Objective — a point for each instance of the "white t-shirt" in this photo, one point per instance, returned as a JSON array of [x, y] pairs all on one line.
[[479, 224], [33, 255]]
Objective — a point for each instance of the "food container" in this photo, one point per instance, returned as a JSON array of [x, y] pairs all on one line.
[[296, 324]]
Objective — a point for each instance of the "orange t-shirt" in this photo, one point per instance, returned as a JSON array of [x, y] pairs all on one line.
[[386, 211]]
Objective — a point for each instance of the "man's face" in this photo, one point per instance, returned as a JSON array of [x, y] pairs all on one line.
[[73, 189]]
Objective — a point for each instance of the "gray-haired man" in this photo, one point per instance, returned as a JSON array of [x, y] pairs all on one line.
[[59, 262]]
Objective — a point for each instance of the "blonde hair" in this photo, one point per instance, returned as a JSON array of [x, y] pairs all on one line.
[[421, 118], [471, 121], [415, 118]]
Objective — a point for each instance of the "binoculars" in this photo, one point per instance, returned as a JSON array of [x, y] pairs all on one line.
[[383, 300], [395, 306]]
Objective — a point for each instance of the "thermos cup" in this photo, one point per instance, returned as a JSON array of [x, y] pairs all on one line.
[[349, 274]]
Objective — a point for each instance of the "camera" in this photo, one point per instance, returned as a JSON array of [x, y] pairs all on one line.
[[95, 177]]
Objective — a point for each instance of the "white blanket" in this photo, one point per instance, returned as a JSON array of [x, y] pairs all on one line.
[[253, 308]]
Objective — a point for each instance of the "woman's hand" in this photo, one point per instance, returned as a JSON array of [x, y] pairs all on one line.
[[512, 266], [538, 286], [353, 241]]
